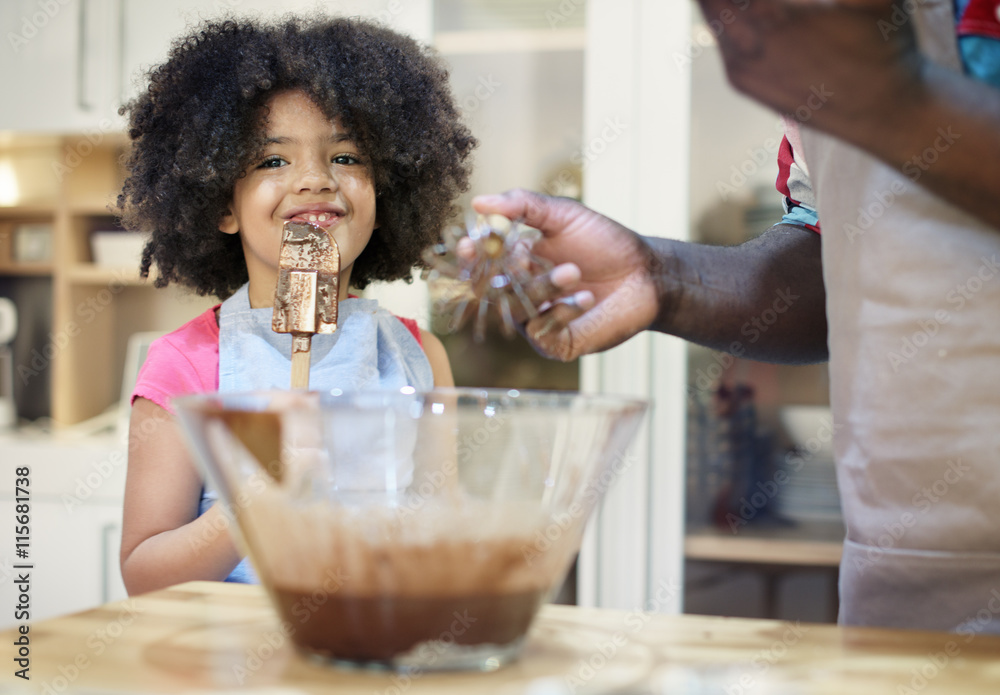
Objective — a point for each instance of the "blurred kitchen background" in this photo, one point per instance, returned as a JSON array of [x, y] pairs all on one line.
[[732, 508]]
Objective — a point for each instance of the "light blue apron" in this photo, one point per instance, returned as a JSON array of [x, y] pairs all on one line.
[[371, 349]]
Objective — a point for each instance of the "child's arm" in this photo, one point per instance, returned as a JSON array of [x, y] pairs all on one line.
[[164, 541], [438, 359]]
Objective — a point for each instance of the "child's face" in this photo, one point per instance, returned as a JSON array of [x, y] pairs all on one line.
[[309, 172]]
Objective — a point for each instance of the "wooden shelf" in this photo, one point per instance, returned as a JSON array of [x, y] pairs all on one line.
[[94, 207], [26, 269], [816, 544], [90, 274], [94, 305], [29, 211]]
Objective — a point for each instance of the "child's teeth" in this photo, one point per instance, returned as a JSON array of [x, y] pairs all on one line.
[[323, 217], [312, 218]]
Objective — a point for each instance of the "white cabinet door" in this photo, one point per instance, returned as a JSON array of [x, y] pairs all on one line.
[[58, 71], [151, 27], [73, 553], [69, 64], [75, 491]]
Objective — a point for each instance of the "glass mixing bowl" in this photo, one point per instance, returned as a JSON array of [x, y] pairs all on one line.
[[409, 529]]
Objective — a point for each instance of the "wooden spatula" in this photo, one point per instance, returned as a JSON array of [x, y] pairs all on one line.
[[305, 299]]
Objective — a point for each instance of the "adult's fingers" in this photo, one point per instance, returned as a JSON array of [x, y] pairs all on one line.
[[546, 289], [545, 213], [548, 332]]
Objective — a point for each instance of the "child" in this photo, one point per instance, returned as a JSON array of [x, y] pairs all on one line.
[[339, 122]]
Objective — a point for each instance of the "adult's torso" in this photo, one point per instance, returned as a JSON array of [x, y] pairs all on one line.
[[913, 302]]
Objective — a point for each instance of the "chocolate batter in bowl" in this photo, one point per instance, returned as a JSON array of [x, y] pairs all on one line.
[[410, 530]]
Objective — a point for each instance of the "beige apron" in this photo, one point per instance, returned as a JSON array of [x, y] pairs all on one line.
[[913, 300]]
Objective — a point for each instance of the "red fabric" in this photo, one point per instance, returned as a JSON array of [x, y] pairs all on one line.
[[786, 157], [181, 362], [785, 160], [413, 328], [981, 18], [187, 361]]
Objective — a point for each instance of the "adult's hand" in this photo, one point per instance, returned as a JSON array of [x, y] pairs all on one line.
[[832, 63], [622, 283], [853, 69], [603, 289]]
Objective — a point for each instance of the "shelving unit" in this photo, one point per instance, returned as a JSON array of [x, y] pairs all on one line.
[[86, 341]]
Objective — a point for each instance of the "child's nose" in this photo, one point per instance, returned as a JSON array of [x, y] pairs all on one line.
[[317, 177]]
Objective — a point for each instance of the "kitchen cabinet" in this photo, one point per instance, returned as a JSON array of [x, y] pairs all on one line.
[[72, 63], [60, 71], [150, 27], [76, 488]]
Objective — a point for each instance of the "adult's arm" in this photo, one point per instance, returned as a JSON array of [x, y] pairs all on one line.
[[764, 299], [852, 68]]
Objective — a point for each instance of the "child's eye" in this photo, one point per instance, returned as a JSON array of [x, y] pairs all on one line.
[[272, 162], [346, 159]]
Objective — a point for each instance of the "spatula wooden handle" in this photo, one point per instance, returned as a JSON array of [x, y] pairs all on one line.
[[300, 360]]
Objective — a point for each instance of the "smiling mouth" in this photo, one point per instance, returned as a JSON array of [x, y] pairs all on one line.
[[320, 219]]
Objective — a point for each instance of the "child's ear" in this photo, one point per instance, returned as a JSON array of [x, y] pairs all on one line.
[[229, 224]]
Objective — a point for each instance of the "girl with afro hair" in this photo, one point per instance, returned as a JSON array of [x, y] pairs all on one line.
[[338, 122]]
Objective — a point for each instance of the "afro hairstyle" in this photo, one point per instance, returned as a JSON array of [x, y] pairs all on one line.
[[198, 126]]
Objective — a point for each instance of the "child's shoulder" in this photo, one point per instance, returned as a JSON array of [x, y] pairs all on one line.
[[183, 361], [203, 327], [196, 342]]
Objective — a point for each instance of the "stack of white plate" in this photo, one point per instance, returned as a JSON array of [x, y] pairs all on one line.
[[809, 493]]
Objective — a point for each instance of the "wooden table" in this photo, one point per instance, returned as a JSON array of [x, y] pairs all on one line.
[[207, 637]]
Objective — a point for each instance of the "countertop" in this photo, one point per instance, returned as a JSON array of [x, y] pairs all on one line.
[[210, 637]]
